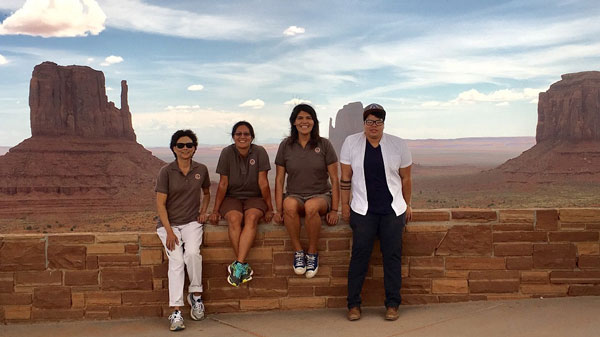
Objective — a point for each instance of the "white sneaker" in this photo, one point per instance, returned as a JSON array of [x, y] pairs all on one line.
[[197, 310], [312, 265], [176, 321]]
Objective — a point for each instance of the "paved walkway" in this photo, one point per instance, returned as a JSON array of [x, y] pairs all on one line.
[[573, 317]]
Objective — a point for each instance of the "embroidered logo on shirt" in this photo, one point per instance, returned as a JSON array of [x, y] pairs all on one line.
[[252, 161], [317, 149], [197, 176]]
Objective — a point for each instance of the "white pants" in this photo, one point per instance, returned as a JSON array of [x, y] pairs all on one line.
[[185, 255]]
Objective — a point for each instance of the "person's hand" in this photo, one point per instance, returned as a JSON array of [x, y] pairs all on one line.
[[332, 218], [214, 218], [408, 213], [202, 218], [172, 240], [268, 216], [346, 213], [278, 218]]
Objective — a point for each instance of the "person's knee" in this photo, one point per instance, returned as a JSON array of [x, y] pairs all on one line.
[[192, 252], [176, 264], [362, 247], [314, 207], [251, 220], [290, 207], [234, 219]]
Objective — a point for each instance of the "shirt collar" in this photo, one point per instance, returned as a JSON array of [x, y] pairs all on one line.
[[174, 166]]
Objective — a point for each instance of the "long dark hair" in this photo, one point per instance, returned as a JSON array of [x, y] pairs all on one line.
[[183, 133], [314, 133]]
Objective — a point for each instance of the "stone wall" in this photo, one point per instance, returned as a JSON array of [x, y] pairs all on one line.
[[449, 256]]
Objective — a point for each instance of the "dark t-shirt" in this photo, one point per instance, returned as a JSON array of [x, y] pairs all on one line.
[[242, 173], [379, 197], [306, 167], [184, 192]]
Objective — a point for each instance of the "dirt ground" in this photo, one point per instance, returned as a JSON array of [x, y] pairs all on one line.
[[460, 186], [446, 174]]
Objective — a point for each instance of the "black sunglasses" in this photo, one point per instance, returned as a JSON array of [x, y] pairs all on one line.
[[181, 145]]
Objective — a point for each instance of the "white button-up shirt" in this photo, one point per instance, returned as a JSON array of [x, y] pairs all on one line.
[[396, 155]]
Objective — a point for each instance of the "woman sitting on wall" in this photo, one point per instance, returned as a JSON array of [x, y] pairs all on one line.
[[309, 161], [243, 196]]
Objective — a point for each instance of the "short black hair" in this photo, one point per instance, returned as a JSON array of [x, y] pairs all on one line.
[[240, 123], [183, 133], [375, 110]]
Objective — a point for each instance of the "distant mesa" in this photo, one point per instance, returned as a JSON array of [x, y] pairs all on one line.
[[348, 120], [567, 133], [82, 146], [72, 101]]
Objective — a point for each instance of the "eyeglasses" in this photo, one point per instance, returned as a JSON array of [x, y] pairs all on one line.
[[181, 145], [239, 134], [371, 122]]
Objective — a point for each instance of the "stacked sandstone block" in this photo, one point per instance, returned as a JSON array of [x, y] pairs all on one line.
[[449, 256]]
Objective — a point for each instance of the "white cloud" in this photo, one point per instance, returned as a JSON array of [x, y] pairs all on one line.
[[195, 87], [109, 89], [293, 30], [296, 101], [504, 95], [253, 103], [112, 59], [139, 16], [58, 18], [90, 60], [500, 97], [212, 126], [3, 60]]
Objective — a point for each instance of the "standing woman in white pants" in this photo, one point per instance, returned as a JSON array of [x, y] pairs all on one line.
[[180, 188]]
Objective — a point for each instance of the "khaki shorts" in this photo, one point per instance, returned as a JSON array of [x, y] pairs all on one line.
[[242, 205], [302, 199]]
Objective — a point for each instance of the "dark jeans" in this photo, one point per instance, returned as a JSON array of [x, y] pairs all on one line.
[[365, 228]]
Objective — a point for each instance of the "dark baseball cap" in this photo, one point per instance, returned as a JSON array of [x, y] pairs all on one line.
[[375, 110]]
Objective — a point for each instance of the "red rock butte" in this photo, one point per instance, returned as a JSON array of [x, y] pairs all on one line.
[[82, 148], [567, 134]]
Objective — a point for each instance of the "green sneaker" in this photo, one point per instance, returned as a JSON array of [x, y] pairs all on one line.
[[240, 273], [248, 272]]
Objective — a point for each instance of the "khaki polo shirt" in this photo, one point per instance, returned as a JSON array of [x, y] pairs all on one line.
[[242, 173], [184, 192], [306, 167]]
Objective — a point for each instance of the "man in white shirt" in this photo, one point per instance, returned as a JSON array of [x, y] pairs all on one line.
[[376, 168]]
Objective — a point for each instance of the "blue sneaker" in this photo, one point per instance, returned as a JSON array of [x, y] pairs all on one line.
[[312, 265], [299, 262]]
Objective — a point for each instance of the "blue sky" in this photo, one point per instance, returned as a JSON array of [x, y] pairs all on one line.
[[442, 69]]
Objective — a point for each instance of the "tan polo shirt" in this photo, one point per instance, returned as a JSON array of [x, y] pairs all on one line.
[[306, 167], [184, 192], [242, 173]]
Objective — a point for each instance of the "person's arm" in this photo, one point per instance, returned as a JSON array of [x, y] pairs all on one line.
[[345, 186], [332, 216], [265, 191], [161, 206], [279, 179], [407, 190], [221, 191], [202, 215]]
